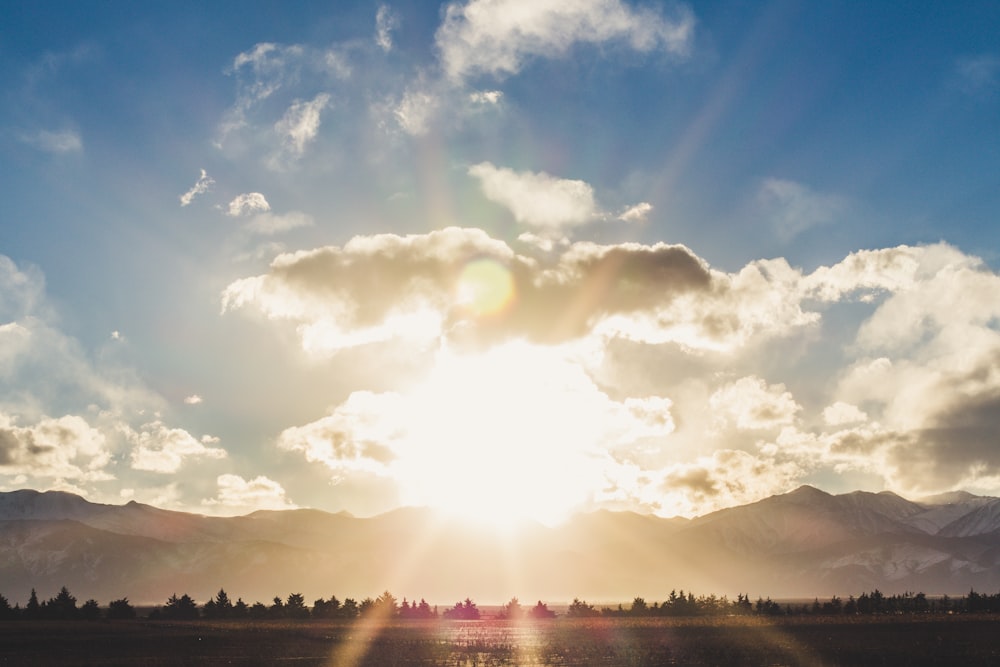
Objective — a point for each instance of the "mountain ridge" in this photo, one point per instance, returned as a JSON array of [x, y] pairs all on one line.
[[804, 543]]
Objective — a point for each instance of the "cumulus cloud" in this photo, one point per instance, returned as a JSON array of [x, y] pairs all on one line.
[[843, 413], [753, 404], [193, 399], [907, 391], [246, 204], [240, 496], [381, 287], [537, 199], [158, 448], [545, 203], [516, 416], [201, 186], [385, 22], [354, 438], [723, 479], [62, 448], [793, 208], [499, 37]]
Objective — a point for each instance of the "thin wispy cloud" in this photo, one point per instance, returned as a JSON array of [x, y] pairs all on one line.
[[792, 207], [61, 141], [201, 186], [385, 22], [978, 74], [300, 124]]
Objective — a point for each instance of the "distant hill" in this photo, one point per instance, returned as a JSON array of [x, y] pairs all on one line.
[[801, 544]]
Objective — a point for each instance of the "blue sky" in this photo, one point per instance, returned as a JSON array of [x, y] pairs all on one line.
[[649, 256]]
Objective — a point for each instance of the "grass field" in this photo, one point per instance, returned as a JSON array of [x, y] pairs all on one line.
[[931, 640]]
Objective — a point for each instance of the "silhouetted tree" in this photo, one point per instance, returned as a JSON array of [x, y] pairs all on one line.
[[385, 605], [580, 609], [258, 610], [8, 613], [218, 607], [277, 608], [62, 607], [91, 610], [349, 609], [181, 608], [326, 608], [423, 610], [639, 607], [240, 609], [512, 610], [465, 611], [295, 606], [541, 610], [120, 609], [33, 609]]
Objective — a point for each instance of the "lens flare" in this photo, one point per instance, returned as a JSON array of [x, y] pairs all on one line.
[[485, 287]]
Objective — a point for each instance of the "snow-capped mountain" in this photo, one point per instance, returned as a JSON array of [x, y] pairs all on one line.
[[801, 544]]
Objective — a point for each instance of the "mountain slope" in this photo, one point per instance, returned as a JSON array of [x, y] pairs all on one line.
[[803, 543]]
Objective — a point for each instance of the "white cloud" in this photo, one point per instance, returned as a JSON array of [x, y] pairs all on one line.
[[63, 448], [385, 22], [270, 223], [636, 213], [497, 37], [843, 413], [193, 399], [241, 496], [203, 184], [725, 478], [903, 384], [416, 110], [247, 203], [794, 208], [300, 124], [158, 448], [62, 141], [538, 200], [754, 404], [486, 96], [270, 68]]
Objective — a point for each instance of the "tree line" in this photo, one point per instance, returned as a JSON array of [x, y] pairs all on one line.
[[63, 606]]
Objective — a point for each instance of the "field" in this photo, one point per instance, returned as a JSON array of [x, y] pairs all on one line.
[[914, 640]]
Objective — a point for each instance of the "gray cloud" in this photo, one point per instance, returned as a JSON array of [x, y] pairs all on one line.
[[370, 279]]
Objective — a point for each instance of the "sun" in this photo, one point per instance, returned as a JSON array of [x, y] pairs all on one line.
[[498, 437]]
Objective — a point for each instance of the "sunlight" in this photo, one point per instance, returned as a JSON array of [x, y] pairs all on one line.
[[502, 436]]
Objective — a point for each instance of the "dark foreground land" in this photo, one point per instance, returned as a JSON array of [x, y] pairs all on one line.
[[914, 640]]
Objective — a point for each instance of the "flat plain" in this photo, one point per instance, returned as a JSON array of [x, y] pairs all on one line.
[[969, 640]]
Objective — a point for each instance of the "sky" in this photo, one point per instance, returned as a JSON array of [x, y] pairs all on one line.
[[498, 258]]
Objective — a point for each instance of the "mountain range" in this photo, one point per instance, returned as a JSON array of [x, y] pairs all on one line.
[[802, 544]]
